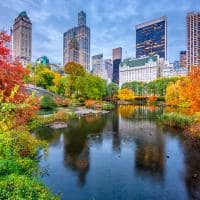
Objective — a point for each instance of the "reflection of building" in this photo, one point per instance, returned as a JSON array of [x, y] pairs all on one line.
[[76, 43], [151, 38], [193, 39], [150, 146], [192, 162], [117, 58], [22, 38], [183, 59]]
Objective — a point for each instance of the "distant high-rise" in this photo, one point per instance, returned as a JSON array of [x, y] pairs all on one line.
[[108, 65], [193, 39], [81, 18], [97, 64], [183, 59], [22, 38], [151, 38], [76, 43], [117, 58]]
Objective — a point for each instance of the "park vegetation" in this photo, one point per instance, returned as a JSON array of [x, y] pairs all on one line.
[[19, 172]]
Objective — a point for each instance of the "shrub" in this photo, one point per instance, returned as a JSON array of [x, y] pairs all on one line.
[[62, 101], [108, 106], [47, 102], [23, 187]]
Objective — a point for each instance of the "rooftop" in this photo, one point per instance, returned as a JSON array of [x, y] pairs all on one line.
[[157, 20], [139, 62], [23, 14]]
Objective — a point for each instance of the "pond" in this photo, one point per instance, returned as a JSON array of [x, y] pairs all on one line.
[[122, 155]]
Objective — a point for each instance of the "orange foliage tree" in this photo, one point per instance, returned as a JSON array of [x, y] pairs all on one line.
[[177, 94], [193, 91], [126, 94]]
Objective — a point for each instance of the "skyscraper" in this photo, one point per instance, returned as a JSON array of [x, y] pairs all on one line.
[[117, 58], [183, 59], [22, 38], [97, 65], [193, 39], [151, 38], [76, 43], [108, 65]]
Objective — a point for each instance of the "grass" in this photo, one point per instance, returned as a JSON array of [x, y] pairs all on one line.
[[177, 120]]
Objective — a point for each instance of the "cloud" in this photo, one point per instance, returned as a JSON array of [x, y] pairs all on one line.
[[112, 23]]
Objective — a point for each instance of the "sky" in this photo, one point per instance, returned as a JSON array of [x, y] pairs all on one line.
[[112, 23]]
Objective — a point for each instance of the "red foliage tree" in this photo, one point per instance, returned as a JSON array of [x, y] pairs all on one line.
[[11, 75], [11, 72]]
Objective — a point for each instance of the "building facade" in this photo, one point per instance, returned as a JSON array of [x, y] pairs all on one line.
[[193, 39], [117, 58], [151, 38], [76, 43], [97, 65], [22, 38], [108, 65], [183, 59], [147, 69], [143, 69]]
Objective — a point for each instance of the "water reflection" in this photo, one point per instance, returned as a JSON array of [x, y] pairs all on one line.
[[97, 149]]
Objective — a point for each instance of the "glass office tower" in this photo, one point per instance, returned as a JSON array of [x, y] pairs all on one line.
[[151, 38]]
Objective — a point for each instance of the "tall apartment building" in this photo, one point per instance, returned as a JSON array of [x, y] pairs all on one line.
[[151, 38], [22, 38], [117, 58], [108, 65], [97, 65], [76, 43], [183, 59], [193, 39]]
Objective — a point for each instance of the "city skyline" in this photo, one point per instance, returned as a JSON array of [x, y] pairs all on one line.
[[108, 30]]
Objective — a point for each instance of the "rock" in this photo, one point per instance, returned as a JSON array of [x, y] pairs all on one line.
[[57, 125], [195, 175]]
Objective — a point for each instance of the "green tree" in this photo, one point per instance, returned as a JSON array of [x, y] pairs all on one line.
[[112, 89]]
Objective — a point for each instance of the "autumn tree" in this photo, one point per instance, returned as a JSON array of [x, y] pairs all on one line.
[[194, 89], [126, 94], [13, 97], [177, 94], [74, 69], [11, 72]]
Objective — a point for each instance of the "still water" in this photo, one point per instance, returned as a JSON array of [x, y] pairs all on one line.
[[123, 155]]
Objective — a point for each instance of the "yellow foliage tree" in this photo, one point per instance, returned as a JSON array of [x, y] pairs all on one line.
[[177, 93], [126, 94]]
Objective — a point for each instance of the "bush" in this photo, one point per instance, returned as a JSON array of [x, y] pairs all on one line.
[[177, 120], [62, 102], [47, 102], [108, 106], [23, 187]]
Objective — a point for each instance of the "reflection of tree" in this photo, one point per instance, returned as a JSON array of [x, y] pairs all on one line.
[[192, 177], [76, 148], [116, 141], [149, 159], [126, 111], [48, 134]]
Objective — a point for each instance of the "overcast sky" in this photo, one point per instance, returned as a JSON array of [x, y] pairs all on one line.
[[112, 23]]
